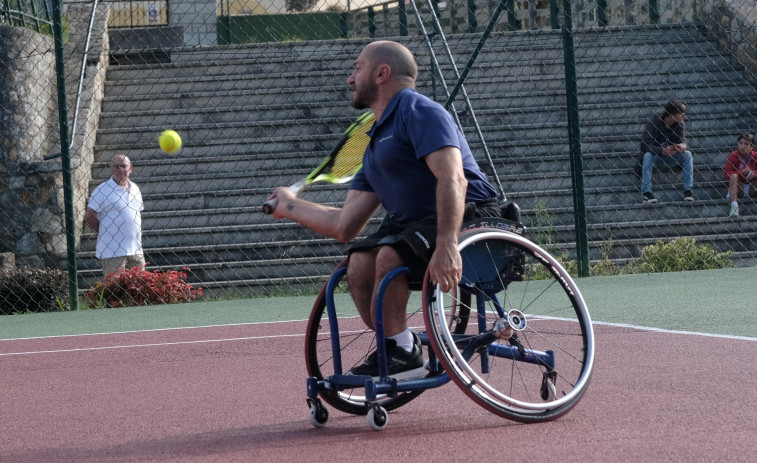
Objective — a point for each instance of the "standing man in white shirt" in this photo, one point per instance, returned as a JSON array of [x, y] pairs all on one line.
[[114, 214]]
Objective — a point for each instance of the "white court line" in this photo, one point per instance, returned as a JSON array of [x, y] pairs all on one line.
[[664, 330], [149, 331], [656, 330], [204, 341], [161, 344]]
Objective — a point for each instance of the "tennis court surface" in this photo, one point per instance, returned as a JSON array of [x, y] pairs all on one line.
[[225, 382]]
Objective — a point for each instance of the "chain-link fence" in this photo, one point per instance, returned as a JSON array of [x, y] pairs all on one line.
[[257, 92], [35, 15]]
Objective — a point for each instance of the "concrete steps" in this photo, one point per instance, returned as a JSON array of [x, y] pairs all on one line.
[[255, 117]]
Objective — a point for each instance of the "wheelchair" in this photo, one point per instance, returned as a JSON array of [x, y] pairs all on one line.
[[514, 335]]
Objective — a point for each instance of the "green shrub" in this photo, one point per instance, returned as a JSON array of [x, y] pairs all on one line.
[[536, 271], [675, 256], [136, 286], [678, 255], [25, 289], [605, 266], [542, 230], [543, 225], [47, 29]]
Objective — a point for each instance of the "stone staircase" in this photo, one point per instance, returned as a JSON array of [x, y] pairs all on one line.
[[255, 117]]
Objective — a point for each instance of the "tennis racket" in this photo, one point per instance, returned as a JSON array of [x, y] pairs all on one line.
[[341, 164]]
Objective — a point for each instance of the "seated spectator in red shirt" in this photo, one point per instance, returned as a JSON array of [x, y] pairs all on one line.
[[740, 173]]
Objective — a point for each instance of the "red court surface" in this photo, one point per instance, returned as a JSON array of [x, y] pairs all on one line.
[[237, 393]]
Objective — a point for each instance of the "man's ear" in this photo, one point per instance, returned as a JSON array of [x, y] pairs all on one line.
[[383, 73]]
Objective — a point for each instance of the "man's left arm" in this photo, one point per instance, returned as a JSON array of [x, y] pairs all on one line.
[[445, 267]]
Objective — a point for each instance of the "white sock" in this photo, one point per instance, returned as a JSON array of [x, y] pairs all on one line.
[[404, 339], [734, 203]]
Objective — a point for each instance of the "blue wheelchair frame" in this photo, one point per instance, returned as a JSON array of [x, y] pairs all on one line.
[[390, 386]]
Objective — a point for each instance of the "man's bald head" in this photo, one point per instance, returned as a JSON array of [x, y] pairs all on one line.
[[120, 167], [395, 55], [120, 159]]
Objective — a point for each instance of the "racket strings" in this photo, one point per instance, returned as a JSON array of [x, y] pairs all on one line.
[[349, 158]]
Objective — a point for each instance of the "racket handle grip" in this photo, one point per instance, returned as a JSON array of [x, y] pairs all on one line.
[[270, 206]]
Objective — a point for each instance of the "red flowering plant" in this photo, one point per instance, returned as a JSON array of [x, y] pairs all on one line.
[[137, 286]]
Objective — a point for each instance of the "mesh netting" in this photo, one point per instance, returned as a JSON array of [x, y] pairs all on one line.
[[257, 91]]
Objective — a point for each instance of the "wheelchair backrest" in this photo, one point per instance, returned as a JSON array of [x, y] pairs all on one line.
[[491, 264], [495, 222]]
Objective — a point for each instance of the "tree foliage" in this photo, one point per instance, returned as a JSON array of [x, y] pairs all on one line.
[[299, 5]]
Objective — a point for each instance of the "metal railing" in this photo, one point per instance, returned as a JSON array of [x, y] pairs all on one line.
[[34, 14], [257, 116], [460, 16]]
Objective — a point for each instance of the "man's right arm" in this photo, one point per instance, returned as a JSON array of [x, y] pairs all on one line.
[[90, 218], [342, 224]]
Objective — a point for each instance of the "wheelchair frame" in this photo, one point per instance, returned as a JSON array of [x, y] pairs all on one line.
[[471, 344]]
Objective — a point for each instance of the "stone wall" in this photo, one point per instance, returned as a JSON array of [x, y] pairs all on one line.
[[734, 24], [28, 113], [30, 206], [32, 221], [31, 217]]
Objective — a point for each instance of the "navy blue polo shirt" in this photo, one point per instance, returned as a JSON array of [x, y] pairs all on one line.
[[412, 127]]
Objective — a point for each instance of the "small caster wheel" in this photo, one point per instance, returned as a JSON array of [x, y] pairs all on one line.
[[318, 415], [548, 389], [377, 418]]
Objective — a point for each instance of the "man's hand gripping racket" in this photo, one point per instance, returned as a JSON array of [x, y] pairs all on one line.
[[341, 164]]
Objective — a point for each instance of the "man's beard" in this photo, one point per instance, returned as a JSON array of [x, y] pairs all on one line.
[[364, 96], [358, 104]]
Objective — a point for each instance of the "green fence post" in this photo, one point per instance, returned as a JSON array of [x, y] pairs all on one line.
[[34, 14], [511, 25], [403, 17], [574, 139], [343, 26], [371, 22], [7, 11], [472, 21], [602, 13], [654, 12], [20, 6], [554, 14], [437, 24], [68, 191]]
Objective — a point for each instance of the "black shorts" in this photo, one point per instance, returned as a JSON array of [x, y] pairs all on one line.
[[415, 242]]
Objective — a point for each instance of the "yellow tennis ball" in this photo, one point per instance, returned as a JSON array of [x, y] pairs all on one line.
[[170, 142]]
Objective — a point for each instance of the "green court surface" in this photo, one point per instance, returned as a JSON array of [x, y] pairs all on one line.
[[707, 301]]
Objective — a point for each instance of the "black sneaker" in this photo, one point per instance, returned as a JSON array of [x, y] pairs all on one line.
[[401, 363], [688, 196], [649, 198]]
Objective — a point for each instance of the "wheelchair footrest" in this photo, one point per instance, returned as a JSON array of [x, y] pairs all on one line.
[[373, 388]]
